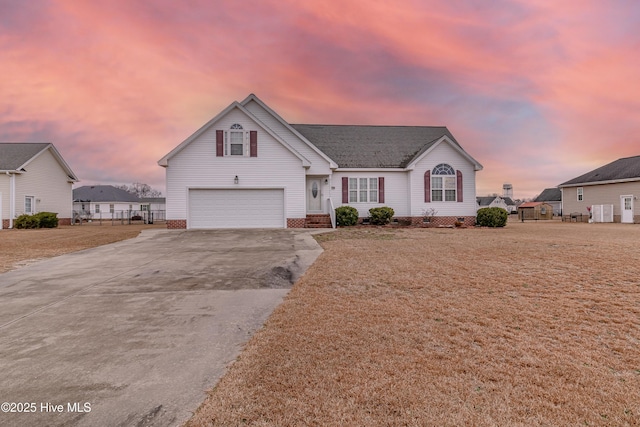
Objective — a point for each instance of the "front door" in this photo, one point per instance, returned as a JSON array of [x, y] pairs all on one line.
[[626, 206], [314, 195]]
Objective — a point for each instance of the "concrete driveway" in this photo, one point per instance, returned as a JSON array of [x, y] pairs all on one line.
[[135, 332]]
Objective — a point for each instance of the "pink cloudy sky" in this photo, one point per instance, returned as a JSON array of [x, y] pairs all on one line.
[[539, 92]]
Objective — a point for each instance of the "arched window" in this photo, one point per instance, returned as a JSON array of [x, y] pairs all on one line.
[[443, 183]]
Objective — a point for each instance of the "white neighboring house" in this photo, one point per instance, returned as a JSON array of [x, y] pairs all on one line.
[[248, 168], [505, 203], [34, 178], [104, 202]]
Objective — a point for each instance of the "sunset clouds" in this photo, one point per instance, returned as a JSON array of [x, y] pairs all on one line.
[[537, 92]]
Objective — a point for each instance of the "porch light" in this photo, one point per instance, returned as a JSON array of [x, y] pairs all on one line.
[[236, 180]]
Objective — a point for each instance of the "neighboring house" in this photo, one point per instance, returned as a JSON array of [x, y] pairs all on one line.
[[34, 178], [505, 203], [535, 210], [248, 167], [104, 202], [552, 196], [156, 205], [617, 184]]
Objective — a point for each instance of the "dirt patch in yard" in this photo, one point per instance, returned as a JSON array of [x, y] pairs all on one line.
[[21, 247], [533, 324]]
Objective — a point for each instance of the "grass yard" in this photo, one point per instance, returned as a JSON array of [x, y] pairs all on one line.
[[533, 324], [21, 247]]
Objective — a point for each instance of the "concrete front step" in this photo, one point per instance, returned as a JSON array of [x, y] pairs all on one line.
[[318, 221]]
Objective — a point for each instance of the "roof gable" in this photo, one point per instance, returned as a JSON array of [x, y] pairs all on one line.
[[549, 195], [235, 105], [102, 193], [627, 168], [13, 156], [16, 156]]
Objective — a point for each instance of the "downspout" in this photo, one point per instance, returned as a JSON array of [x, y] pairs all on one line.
[[12, 197]]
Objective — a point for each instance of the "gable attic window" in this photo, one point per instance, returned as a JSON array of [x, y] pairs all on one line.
[[234, 145], [236, 142]]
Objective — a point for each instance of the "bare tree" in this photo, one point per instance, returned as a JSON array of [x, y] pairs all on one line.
[[140, 190]]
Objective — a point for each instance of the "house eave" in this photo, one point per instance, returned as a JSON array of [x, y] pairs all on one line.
[[412, 164], [371, 170], [590, 183]]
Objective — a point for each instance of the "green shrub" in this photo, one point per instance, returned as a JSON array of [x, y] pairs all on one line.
[[346, 216], [47, 219], [26, 221], [39, 220], [491, 217], [381, 216]]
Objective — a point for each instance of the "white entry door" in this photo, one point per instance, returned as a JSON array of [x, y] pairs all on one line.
[[314, 195], [626, 207]]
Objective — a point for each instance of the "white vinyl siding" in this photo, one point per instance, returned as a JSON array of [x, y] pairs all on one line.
[[198, 166], [46, 181], [444, 153]]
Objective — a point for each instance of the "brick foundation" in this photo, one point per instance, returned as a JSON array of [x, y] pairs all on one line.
[[418, 221], [5, 224], [296, 222], [176, 224], [64, 221]]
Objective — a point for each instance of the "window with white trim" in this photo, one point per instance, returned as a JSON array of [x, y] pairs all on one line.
[[236, 141], [580, 194], [363, 190], [29, 205], [97, 208], [111, 208], [443, 183]]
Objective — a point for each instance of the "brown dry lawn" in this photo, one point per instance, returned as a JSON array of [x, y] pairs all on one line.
[[21, 247], [533, 324]]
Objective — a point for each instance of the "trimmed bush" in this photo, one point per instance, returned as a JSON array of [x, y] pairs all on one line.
[[346, 216], [381, 216], [47, 219], [39, 220], [491, 217], [26, 221]]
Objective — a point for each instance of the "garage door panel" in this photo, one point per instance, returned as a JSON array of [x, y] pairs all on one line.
[[236, 208]]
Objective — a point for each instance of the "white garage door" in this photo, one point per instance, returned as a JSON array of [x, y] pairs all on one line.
[[248, 208]]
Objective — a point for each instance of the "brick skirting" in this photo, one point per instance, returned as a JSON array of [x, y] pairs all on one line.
[[418, 221], [64, 221], [296, 222], [5, 224], [176, 224]]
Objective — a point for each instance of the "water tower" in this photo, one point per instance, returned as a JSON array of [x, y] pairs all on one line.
[[507, 190]]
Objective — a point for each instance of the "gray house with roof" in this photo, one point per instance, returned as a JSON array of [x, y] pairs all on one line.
[[616, 184], [248, 167], [34, 178]]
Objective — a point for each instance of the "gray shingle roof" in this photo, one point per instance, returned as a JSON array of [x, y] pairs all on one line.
[[102, 193], [625, 168], [15, 154], [549, 195], [352, 146]]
